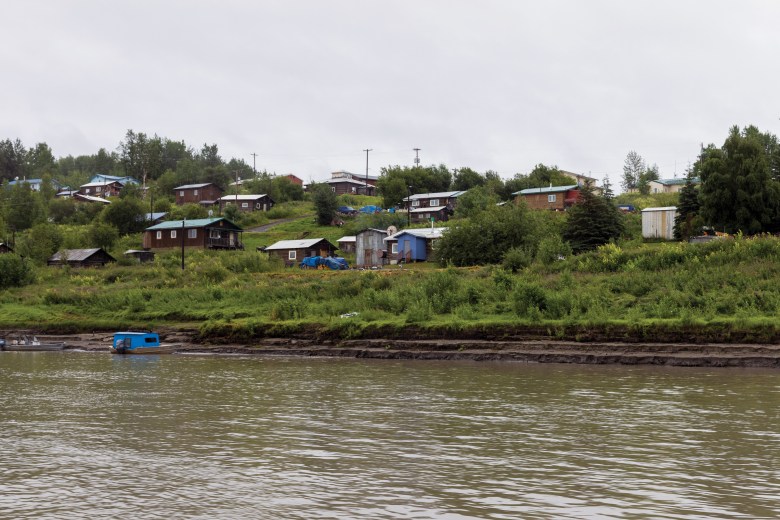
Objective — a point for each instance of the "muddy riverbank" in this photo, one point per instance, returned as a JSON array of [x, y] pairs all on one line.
[[516, 350]]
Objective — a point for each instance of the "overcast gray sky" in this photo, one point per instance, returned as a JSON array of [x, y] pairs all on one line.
[[307, 85]]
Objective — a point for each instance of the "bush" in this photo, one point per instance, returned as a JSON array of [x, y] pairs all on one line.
[[516, 259], [552, 249], [529, 298], [14, 271]]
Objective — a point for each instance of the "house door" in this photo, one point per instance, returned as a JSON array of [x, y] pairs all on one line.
[[408, 250], [368, 257]]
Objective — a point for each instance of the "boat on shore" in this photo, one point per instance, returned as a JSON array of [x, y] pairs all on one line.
[[30, 344], [140, 343]]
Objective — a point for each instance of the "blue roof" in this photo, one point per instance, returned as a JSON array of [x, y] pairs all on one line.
[[102, 177]]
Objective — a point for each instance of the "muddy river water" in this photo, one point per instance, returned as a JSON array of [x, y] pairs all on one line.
[[90, 435]]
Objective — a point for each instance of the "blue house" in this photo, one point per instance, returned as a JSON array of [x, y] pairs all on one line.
[[413, 245], [103, 179]]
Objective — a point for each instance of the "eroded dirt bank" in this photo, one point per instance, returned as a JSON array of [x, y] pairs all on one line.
[[508, 349]]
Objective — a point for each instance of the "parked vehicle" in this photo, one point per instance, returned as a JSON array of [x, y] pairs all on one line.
[[347, 210]]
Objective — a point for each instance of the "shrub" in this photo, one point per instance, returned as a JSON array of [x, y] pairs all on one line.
[[528, 299], [14, 271], [516, 259]]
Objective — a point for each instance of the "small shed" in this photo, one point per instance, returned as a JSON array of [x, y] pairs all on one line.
[[414, 245], [659, 222], [370, 248], [293, 251], [247, 203], [96, 257], [347, 244], [142, 255], [5, 248]]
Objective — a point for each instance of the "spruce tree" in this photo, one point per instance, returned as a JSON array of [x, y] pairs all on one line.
[[591, 222], [687, 209]]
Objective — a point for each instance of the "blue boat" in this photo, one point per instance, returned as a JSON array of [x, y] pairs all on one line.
[[140, 343]]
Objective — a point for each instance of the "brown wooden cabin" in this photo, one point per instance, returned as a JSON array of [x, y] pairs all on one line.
[[438, 205], [142, 255], [346, 244], [350, 187], [81, 258], [205, 193], [247, 203], [293, 251], [294, 179], [5, 248], [101, 189], [556, 198], [204, 233]]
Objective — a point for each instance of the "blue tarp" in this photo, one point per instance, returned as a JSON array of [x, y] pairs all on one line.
[[334, 263], [370, 209]]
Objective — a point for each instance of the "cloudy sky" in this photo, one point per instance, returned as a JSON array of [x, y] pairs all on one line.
[[308, 85]]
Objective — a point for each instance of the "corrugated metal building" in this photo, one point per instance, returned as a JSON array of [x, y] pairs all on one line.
[[658, 222], [370, 248], [96, 257]]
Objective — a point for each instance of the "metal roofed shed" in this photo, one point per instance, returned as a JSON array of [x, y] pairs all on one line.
[[293, 251], [95, 257], [658, 223]]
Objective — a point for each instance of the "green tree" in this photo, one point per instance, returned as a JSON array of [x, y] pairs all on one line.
[[591, 222], [687, 209], [466, 178], [14, 271], [394, 181], [487, 236], [13, 160], [125, 214], [737, 190], [325, 203], [103, 235], [62, 210], [40, 242], [633, 168], [474, 201], [24, 207]]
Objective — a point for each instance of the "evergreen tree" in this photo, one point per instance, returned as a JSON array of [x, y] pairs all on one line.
[[591, 222], [606, 191], [325, 203], [737, 190], [687, 209]]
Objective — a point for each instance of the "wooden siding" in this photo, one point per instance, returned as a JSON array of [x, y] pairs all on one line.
[[321, 249], [260, 204], [541, 200], [196, 195], [441, 215], [205, 238]]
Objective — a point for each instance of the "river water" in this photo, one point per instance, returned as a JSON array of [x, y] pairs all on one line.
[[88, 435]]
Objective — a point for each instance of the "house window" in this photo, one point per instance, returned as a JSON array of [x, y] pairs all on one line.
[[98, 189], [192, 233], [415, 203], [433, 202], [245, 205], [353, 189], [159, 235], [290, 255], [394, 248], [173, 233], [257, 205], [333, 189], [86, 191], [551, 198], [181, 193], [195, 192]]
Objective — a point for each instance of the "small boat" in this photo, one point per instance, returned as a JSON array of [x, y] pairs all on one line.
[[30, 344], [140, 343]]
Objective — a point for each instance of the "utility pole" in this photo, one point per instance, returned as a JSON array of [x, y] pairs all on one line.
[[254, 159], [182, 245], [416, 157], [367, 150]]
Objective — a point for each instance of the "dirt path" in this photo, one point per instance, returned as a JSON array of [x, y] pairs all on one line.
[[266, 227]]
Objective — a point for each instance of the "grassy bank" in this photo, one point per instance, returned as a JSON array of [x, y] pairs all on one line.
[[725, 290]]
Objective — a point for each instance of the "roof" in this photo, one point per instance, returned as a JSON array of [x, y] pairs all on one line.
[[193, 186], [96, 184], [188, 224], [347, 239], [428, 209], [155, 216], [438, 195], [343, 173], [228, 198], [76, 255], [90, 198], [348, 181], [676, 182], [375, 230], [125, 179], [295, 244], [420, 233], [25, 181], [549, 189], [665, 208]]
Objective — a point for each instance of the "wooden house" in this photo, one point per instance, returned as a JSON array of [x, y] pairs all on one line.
[[414, 245], [5, 248], [89, 199], [205, 193], [439, 206], [247, 203], [345, 186], [670, 185], [370, 248], [659, 222], [556, 198], [103, 178], [293, 251], [101, 189], [367, 179], [204, 233], [81, 258], [294, 179], [347, 244]]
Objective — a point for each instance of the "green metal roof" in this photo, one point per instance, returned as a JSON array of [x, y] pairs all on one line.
[[194, 223]]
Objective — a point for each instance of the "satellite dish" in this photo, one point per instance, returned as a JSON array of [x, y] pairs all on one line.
[[211, 213], [392, 230]]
